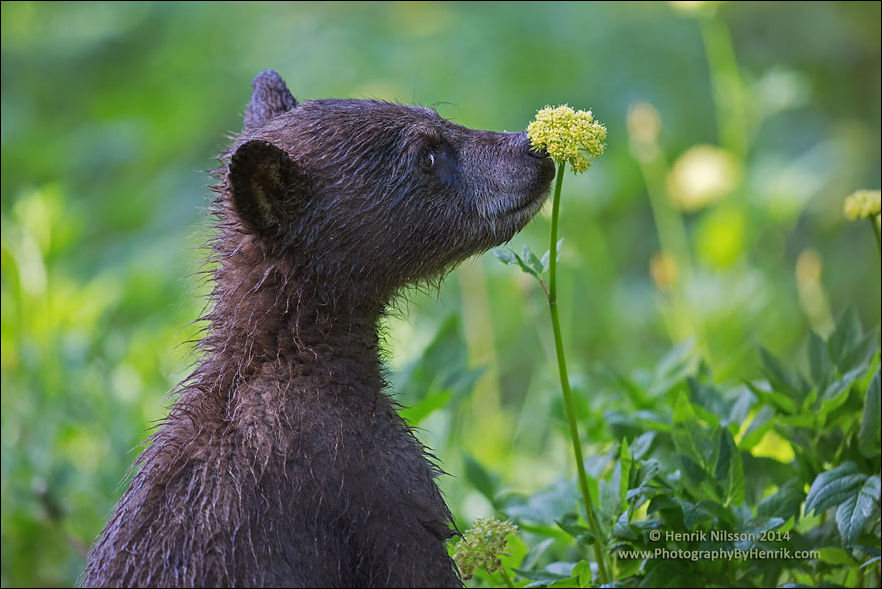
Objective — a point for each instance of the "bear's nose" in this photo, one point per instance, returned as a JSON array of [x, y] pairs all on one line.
[[537, 153], [524, 143]]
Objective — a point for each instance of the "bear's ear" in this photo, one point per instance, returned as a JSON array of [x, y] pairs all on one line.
[[270, 98], [268, 187]]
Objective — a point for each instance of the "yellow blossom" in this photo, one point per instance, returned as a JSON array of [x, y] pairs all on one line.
[[702, 175], [863, 204], [482, 545], [568, 135]]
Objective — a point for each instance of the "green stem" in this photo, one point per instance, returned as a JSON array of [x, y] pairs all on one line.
[[728, 88], [673, 242], [593, 524], [506, 578], [875, 227]]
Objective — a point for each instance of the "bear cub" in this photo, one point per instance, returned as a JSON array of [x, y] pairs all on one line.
[[283, 463]]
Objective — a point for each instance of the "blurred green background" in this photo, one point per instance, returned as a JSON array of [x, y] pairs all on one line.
[[735, 132]]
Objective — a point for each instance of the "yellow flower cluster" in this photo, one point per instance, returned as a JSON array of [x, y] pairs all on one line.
[[568, 135], [863, 204], [482, 545]]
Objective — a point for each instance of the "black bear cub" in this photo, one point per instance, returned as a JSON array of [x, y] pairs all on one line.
[[283, 463]]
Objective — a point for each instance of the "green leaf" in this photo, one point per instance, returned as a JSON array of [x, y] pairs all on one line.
[[804, 420], [758, 526], [690, 438], [857, 357], [559, 574], [673, 368], [808, 403], [530, 258], [547, 255], [758, 427], [784, 502], [440, 376], [707, 401], [539, 578], [483, 481], [846, 336], [667, 573], [627, 462], [841, 384], [833, 487], [695, 513], [723, 514], [610, 498], [710, 418], [648, 470], [579, 532], [506, 256], [729, 470], [545, 506], [776, 399], [642, 444], [537, 551], [820, 366], [663, 503], [782, 379], [582, 572], [639, 495], [648, 419], [418, 411], [622, 529], [837, 393], [836, 556], [857, 508], [741, 408], [515, 554], [626, 567], [869, 435], [695, 475], [634, 392]]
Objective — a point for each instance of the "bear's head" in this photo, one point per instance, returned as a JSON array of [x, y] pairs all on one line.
[[373, 194]]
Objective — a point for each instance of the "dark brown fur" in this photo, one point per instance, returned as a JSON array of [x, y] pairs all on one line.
[[282, 462]]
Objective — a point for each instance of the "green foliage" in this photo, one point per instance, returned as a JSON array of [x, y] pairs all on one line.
[[440, 377], [694, 498], [527, 261]]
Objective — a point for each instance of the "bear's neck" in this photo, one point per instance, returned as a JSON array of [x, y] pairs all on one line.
[[270, 314]]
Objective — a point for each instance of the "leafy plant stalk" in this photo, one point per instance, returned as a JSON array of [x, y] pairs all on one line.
[[551, 293]]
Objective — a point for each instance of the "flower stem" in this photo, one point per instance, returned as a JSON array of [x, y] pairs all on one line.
[[876, 233], [729, 96], [506, 578], [593, 524]]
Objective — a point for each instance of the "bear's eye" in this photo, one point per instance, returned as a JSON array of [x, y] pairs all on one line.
[[427, 161]]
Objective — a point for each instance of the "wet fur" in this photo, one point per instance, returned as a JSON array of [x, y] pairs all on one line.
[[282, 462]]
